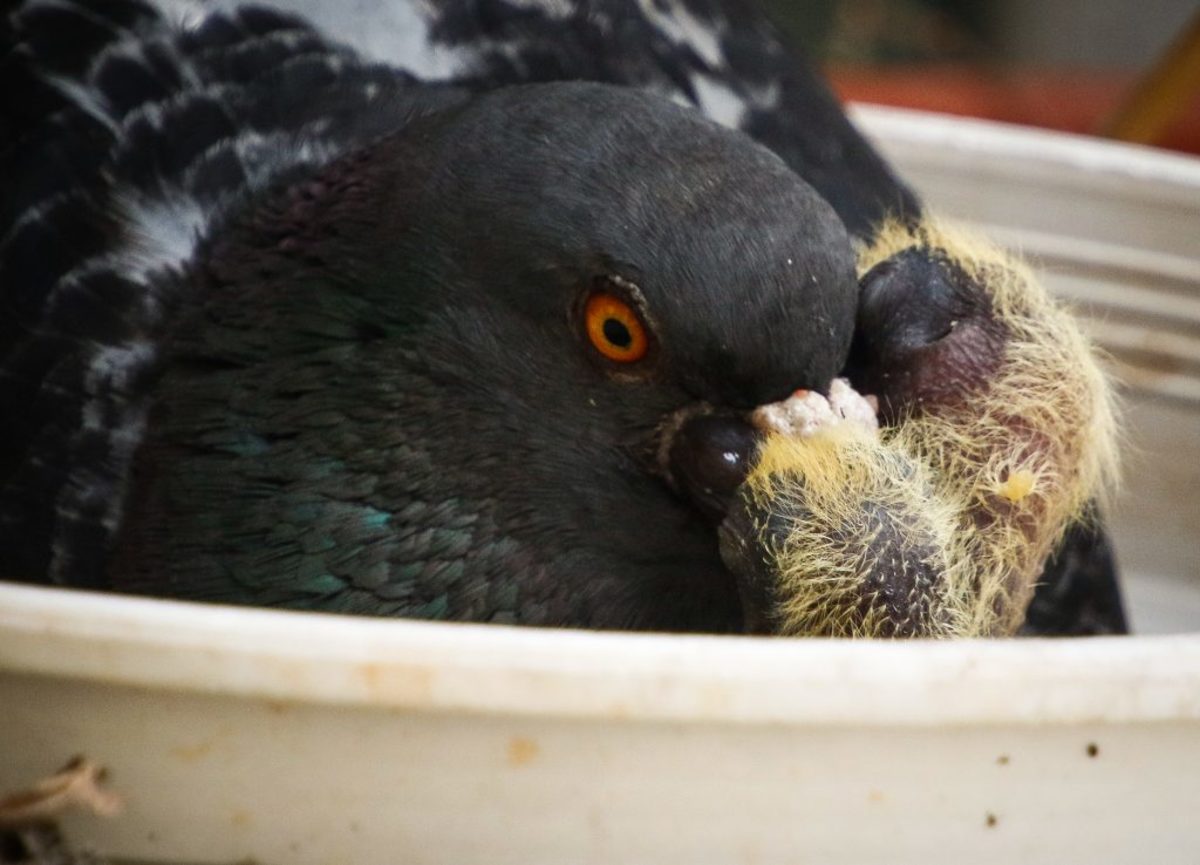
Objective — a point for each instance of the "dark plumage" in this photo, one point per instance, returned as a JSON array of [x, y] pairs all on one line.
[[291, 326]]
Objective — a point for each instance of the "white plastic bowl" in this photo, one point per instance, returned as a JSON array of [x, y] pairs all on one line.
[[301, 738]]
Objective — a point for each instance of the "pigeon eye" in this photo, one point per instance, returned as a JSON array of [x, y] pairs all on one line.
[[615, 329]]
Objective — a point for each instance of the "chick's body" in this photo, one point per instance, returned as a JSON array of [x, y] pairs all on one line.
[[999, 431]]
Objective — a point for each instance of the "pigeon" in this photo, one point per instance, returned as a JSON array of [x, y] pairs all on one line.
[[442, 310]]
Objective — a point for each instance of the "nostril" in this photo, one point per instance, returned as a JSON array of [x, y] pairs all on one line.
[[709, 459]]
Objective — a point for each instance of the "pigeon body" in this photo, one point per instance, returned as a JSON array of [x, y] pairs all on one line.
[[361, 382], [305, 318]]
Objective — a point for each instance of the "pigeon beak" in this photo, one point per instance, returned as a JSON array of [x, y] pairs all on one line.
[[707, 458]]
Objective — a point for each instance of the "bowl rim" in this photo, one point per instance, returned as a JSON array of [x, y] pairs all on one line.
[[318, 658], [1136, 170]]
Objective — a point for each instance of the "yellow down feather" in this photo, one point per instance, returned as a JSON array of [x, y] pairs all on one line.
[[988, 488]]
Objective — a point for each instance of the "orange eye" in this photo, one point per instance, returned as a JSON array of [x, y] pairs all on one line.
[[615, 328]]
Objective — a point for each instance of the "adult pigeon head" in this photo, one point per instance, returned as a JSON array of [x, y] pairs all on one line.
[[434, 376], [438, 361]]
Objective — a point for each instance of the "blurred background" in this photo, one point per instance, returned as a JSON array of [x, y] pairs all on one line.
[[1071, 65]]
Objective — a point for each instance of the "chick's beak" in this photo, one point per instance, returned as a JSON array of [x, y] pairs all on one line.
[[707, 457]]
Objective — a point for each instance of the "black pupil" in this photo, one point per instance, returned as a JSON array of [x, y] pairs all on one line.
[[617, 333]]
